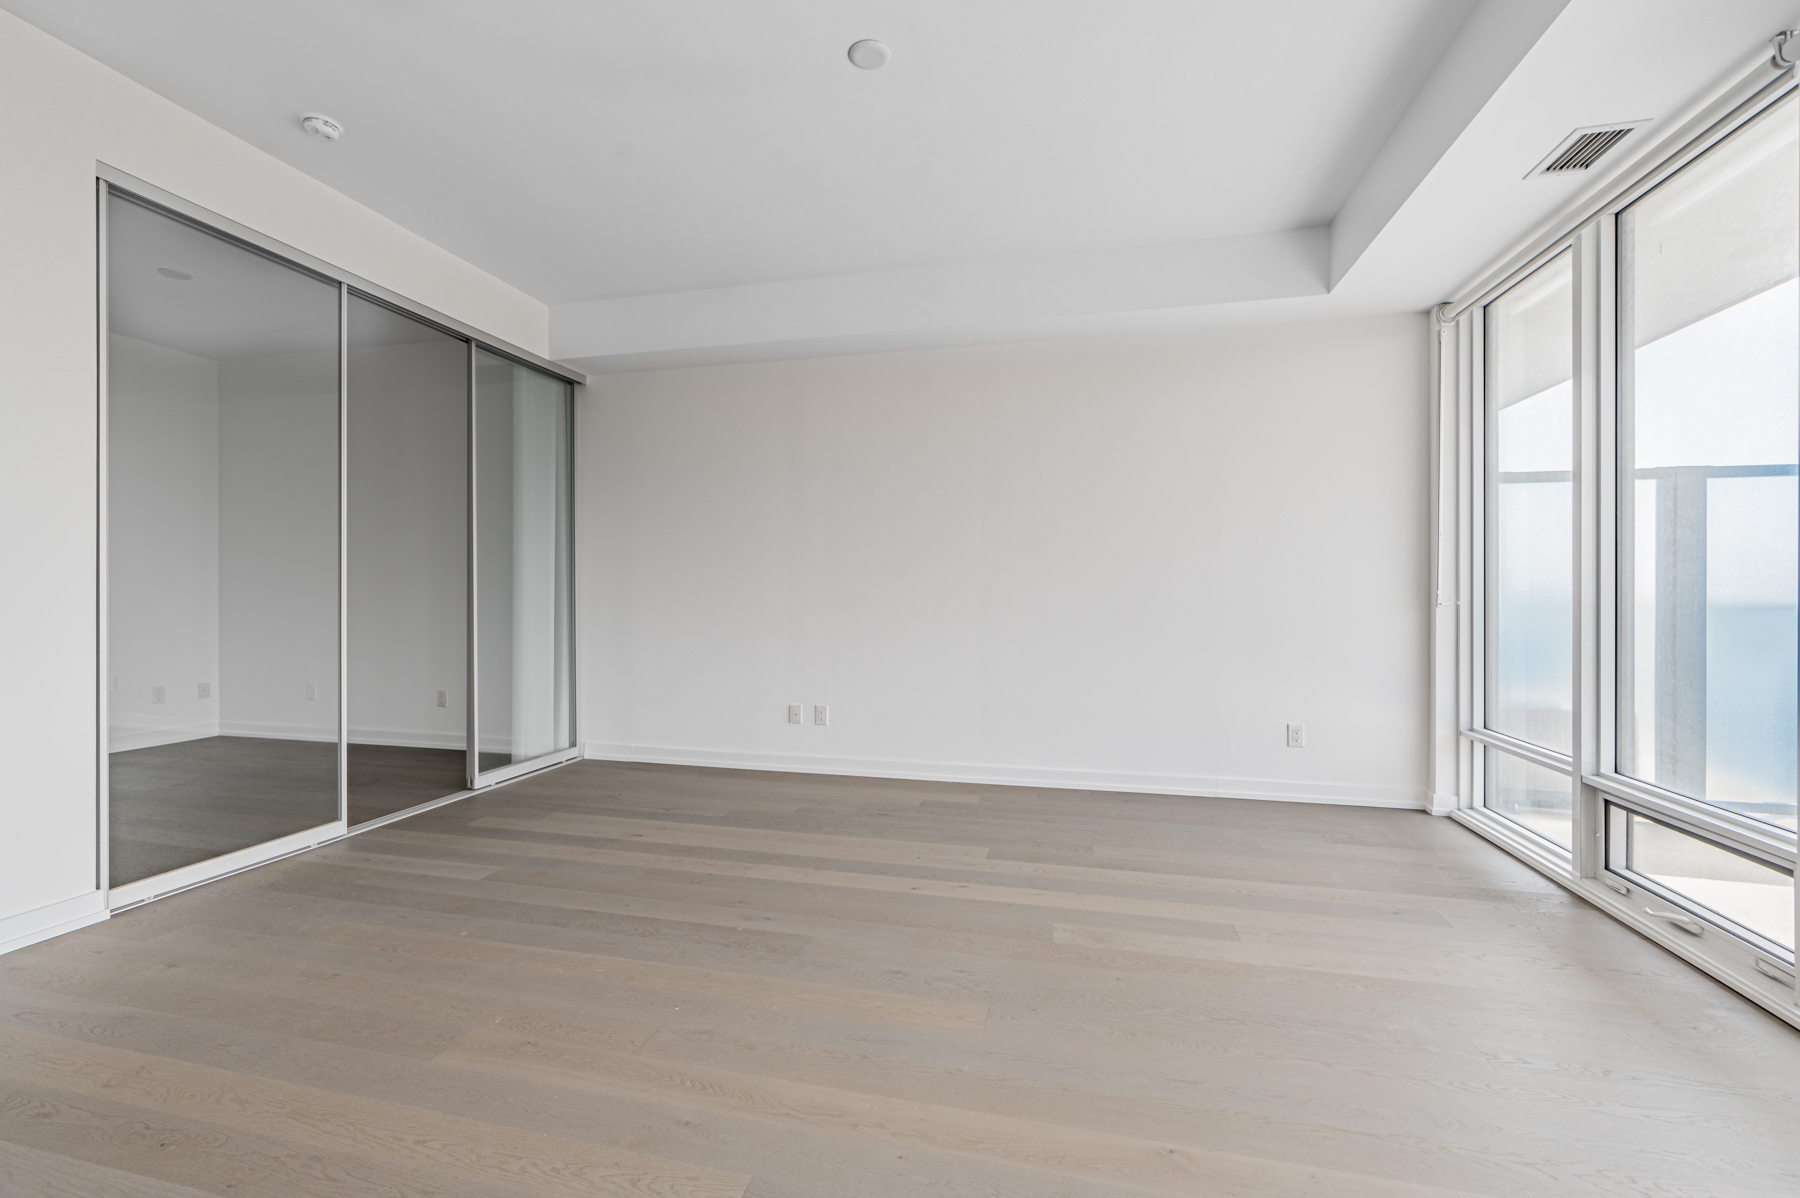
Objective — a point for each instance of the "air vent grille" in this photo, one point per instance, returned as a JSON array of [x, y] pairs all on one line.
[[1586, 151], [1583, 148]]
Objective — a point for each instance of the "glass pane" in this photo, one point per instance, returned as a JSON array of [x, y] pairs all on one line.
[[408, 528], [525, 678], [1530, 795], [1530, 396], [222, 554], [1710, 437], [1746, 891]]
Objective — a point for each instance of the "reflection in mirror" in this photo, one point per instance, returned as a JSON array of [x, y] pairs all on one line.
[[407, 526], [525, 704], [222, 549]]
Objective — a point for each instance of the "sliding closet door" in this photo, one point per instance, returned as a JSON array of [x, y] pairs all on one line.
[[525, 711], [222, 414], [408, 531]]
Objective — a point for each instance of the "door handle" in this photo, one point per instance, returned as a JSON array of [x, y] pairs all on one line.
[[1686, 923]]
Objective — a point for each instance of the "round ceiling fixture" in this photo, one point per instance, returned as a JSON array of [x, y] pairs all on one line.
[[169, 272], [870, 54], [322, 127]]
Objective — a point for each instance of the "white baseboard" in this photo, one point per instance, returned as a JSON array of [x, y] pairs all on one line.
[[264, 731], [309, 732], [149, 738], [119, 742], [1280, 790], [409, 740], [1437, 804], [29, 927]]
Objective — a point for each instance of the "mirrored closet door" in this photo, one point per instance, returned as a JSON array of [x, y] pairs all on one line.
[[408, 533], [335, 557], [524, 694], [222, 429]]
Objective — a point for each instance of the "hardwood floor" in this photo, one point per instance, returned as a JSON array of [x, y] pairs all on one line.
[[670, 982]]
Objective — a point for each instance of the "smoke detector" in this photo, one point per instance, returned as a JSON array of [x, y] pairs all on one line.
[[870, 54], [322, 127], [1583, 148]]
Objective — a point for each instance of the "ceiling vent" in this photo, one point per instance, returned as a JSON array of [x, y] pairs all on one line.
[[1583, 148]]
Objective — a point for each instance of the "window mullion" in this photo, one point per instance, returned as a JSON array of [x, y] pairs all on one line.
[[1592, 316]]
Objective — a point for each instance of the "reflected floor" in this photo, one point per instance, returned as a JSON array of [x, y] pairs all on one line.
[[389, 778], [177, 805]]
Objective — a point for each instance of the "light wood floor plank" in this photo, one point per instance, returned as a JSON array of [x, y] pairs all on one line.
[[403, 1135], [685, 979], [48, 1175], [1055, 1149], [845, 848]]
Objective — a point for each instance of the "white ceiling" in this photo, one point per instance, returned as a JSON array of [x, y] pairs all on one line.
[[726, 159], [592, 148]]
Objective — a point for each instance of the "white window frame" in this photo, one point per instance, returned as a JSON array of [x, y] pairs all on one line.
[[1460, 739]]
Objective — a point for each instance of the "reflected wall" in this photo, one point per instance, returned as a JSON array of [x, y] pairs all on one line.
[[408, 532]]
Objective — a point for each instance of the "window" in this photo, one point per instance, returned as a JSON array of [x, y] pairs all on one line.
[[1618, 557], [1530, 570], [1709, 328], [1748, 895]]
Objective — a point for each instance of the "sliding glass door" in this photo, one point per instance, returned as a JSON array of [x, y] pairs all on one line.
[[335, 554]]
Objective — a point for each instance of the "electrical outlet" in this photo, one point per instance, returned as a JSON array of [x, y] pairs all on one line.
[[794, 713], [112, 682], [312, 692], [159, 694], [1296, 736], [443, 698], [206, 690], [821, 714]]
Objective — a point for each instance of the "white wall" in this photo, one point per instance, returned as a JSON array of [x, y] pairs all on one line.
[[1111, 566], [67, 114], [164, 584]]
